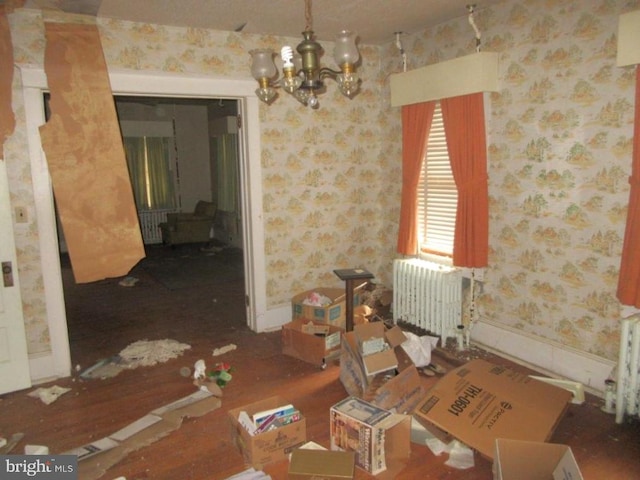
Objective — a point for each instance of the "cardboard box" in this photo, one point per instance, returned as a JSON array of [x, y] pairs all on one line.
[[381, 439], [480, 402], [400, 389], [271, 446], [375, 346], [520, 460], [321, 465], [333, 314], [313, 342]]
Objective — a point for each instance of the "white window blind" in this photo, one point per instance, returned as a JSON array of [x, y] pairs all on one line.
[[437, 194]]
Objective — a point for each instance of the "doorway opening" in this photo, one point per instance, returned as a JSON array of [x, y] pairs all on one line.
[[181, 153], [57, 362]]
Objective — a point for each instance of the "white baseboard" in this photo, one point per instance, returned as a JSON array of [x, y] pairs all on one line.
[[43, 368], [274, 319], [547, 357]]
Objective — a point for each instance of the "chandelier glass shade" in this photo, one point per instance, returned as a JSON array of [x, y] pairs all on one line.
[[302, 75]]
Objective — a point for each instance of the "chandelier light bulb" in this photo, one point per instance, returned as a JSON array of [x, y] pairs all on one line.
[[287, 56]]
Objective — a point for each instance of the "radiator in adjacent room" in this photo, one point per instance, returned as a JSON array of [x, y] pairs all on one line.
[[427, 295], [628, 393], [149, 221]]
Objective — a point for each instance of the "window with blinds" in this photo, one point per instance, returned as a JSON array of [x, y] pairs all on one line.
[[437, 194]]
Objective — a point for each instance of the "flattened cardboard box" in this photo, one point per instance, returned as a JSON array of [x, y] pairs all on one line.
[[520, 460], [271, 446], [400, 392], [480, 402], [307, 346], [321, 465], [96, 458]]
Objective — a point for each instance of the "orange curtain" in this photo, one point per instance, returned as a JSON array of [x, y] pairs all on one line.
[[463, 119], [86, 157], [416, 124], [629, 279], [7, 118]]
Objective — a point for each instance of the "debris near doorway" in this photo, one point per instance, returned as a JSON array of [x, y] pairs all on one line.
[[146, 353], [143, 353], [223, 350], [48, 395], [128, 282], [221, 374]]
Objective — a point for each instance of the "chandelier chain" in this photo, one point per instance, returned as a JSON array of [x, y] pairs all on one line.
[[307, 15]]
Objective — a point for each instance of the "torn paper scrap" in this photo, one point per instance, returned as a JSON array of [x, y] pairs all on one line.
[[223, 350], [48, 395]]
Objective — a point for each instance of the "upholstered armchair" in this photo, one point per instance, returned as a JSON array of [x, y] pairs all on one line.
[[189, 227]]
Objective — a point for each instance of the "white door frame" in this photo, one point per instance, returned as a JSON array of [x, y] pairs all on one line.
[[34, 81]]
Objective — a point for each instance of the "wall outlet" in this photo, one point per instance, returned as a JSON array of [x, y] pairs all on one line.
[[21, 215]]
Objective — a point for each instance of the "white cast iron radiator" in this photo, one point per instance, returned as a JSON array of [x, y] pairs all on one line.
[[428, 296], [149, 221], [628, 393]]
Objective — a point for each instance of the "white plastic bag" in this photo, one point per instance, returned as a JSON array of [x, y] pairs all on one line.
[[419, 348]]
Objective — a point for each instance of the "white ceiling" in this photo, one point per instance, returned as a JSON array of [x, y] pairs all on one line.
[[374, 21]]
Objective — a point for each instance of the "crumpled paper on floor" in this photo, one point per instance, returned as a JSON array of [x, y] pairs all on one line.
[[419, 348], [460, 456], [48, 395]]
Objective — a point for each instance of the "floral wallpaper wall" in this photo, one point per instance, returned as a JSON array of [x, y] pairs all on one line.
[[559, 157], [560, 143], [321, 169]]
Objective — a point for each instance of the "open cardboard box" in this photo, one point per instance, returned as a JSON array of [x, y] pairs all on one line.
[[380, 438], [310, 341], [480, 402], [399, 389], [270, 446], [333, 314], [520, 460]]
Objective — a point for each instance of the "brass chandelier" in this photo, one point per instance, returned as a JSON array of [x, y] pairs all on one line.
[[302, 75]]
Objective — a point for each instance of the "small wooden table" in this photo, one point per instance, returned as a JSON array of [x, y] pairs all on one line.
[[351, 276]]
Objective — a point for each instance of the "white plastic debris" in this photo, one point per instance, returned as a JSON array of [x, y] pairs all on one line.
[[419, 348], [460, 456], [36, 450], [200, 370]]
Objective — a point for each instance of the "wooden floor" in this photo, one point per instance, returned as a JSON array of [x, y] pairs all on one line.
[[105, 317]]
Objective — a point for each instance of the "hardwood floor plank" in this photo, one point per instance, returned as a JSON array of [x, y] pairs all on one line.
[[104, 318]]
